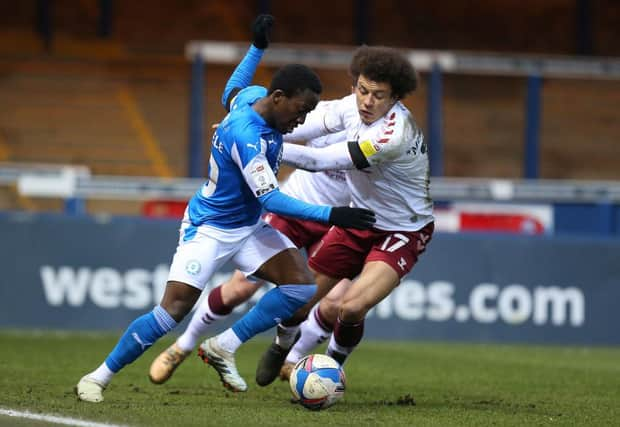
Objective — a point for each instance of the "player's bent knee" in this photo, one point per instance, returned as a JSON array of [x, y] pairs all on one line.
[[339, 290], [353, 310], [242, 290], [330, 307], [178, 299], [177, 309]]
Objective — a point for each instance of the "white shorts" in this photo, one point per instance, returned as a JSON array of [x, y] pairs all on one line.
[[203, 250]]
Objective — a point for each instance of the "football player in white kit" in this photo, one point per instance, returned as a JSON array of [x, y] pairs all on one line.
[[372, 131], [387, 165]]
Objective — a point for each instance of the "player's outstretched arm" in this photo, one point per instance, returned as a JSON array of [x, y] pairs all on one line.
[[263, 183], [342, 216], [326, 118], [244, 73], [376, 146], [261, 30], [340, 156]]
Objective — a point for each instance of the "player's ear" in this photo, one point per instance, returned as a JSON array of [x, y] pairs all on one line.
[[353, 84], [393, 97], [277, 96], [393, 100]]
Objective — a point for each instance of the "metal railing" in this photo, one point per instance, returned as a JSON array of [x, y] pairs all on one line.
[[338, 57], [36, 180]]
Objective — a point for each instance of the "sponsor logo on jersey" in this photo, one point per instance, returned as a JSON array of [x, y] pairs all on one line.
[[261, 191], [336, 175], [262, 180]]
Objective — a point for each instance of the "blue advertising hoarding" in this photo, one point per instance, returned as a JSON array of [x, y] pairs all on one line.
[[85, 273]]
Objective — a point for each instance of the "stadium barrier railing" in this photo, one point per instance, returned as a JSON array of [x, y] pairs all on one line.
[[524, 206]]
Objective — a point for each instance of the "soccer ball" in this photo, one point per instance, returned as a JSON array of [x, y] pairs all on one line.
[[317, 381]]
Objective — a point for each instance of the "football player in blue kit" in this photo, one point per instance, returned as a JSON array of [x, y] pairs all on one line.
[[223, 222]]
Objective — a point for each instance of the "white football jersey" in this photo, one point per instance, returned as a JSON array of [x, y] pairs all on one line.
[[396, 185], [320, 188]]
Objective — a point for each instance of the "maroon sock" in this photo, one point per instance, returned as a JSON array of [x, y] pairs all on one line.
[[348, 334], [322, 321], [216, 304]]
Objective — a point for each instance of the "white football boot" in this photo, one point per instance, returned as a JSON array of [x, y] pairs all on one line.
[[89, 390], [224, 363]]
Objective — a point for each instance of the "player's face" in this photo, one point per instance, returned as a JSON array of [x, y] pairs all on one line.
[[290, 112], [374, 99]]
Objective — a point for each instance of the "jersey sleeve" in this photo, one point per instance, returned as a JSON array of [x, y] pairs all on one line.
[[251, 159], [282, 204], [247, 96], [387, 142], [242, 76], [326, 118], [333, 157], [248, 153]]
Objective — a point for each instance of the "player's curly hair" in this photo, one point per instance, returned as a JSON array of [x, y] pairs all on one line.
[[384, 64], [295, 78]]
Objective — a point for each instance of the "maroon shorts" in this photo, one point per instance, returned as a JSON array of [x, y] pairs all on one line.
[[343, 252], [304, 234]]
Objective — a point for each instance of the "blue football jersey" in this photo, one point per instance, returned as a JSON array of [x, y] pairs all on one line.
[[236, 175]]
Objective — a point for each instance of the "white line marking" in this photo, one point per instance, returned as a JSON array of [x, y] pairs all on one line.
[[54, 419]]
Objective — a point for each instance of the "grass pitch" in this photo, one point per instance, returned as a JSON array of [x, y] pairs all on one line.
[[388, 383]]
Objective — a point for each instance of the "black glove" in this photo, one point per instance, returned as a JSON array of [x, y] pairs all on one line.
[[261, 28], [347, 217]]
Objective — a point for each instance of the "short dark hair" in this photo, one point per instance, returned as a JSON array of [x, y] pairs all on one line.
[[384, 64], [295, 78]]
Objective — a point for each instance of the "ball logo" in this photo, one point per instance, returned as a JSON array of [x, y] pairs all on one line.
[[193, 267]]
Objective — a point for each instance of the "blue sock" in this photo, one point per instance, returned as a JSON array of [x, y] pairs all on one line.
[[276, 305], [139, 336]]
